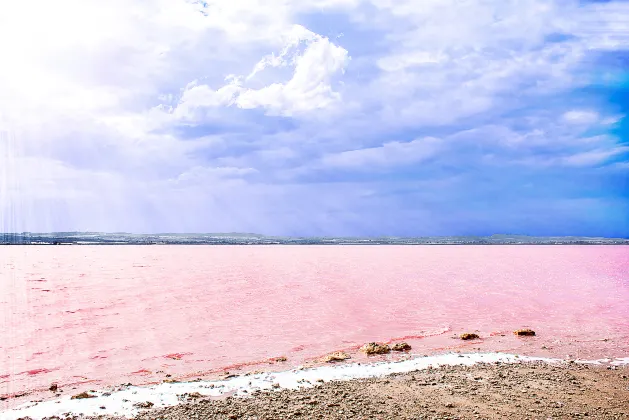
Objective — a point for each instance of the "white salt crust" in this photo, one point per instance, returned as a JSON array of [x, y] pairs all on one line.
[[121, 401]]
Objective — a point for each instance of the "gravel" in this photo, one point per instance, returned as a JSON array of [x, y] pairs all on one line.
[[484, 391]]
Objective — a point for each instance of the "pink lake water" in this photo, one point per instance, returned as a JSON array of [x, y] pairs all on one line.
[[100, 315]]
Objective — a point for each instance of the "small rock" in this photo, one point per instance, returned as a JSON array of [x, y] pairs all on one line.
[[469, 336], [335, 357], [375, 348], [401, 347], [82, 396], [524, 332], [53, 387], [145, 404]]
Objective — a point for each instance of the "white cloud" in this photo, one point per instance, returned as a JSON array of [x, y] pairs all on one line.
[[292, 40], [612, 120], [581, 117], [443, 66], [67, 56], [417, 58], [592, 157], [588, 158], [388, 155], [310, 87], [604, 26], [196, 97], [81, 81]]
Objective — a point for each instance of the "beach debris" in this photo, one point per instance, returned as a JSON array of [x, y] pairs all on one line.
[[82, 396], [403, 346], [193, 395], [53, 387], [338, 356], [145, 404], [375, 348], [524, 332], [469, 336], [280, 359]]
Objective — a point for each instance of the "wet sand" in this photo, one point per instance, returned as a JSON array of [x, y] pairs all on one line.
[[483, 391]]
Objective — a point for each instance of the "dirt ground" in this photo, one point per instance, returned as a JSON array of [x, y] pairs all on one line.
[[524, 391]]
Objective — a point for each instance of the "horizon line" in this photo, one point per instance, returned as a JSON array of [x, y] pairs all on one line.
[[306, 236]]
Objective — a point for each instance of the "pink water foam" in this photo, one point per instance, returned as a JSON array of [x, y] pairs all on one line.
[[102, 315]]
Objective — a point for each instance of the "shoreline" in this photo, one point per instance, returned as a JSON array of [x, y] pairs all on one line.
[[428, 344], [127, 401], [531, 390]]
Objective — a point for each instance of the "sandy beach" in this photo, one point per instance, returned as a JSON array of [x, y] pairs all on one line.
[[482, 391]]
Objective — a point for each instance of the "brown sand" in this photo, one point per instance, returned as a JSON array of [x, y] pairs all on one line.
[[484, 391]]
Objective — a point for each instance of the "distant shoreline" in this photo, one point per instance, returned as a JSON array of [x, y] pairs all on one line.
[[305, 243], [91, 238], [313, 244], [310, 244]]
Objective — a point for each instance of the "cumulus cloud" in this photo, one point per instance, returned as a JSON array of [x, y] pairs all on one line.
[[308, 89], [139, 107]]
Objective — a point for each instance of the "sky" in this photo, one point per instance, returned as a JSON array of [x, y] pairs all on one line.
[[315, 117]]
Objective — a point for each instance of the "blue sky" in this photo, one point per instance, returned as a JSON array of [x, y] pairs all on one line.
[[315, 117]]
